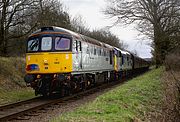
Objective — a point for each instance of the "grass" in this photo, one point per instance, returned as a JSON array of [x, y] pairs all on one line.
[[15, 95], [132, 101], [12, 85]]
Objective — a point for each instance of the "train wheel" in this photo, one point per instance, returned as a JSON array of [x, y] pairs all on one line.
[[62, 92], [45, 94]]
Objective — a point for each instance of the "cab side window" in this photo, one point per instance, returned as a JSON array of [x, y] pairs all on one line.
[[77, 47]]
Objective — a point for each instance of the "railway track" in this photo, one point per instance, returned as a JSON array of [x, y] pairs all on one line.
[[20, 110]]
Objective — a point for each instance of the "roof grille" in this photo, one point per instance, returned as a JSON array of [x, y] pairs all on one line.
[[47, 29]]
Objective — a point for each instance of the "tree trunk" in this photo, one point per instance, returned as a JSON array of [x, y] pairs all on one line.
[[157, 46], [3, 41], [157, 55], [4, 48]]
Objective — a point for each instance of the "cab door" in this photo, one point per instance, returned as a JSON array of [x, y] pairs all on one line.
[[79, 49]]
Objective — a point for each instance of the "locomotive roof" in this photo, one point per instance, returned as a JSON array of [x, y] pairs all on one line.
[[117, 48], [54, 29], [125, 52]]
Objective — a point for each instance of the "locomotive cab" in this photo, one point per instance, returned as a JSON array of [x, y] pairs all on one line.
[[48, 59], [48, 54]]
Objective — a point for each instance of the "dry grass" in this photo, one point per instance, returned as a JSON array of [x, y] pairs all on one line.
[[171, 81], [171, 106], [12, 73]]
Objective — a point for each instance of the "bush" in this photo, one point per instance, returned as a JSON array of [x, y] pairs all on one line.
[[172, 61], [172, 86]]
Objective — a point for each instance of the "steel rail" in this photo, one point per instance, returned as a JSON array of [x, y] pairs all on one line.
[[12, 105]]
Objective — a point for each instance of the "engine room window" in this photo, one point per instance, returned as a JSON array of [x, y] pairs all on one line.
[[88, 49], [99, 51], [107, 53], [33, 45], [104, 54], [62, 43], [94, 50], [119, 54], [46, 43], [122, 59]]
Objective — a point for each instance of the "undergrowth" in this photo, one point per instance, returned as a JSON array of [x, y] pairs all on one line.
[[12, 85]]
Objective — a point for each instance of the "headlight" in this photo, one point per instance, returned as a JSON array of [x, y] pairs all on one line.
[[32, 67]]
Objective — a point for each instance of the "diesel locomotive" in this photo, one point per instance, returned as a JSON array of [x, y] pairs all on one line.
[[62, 61]]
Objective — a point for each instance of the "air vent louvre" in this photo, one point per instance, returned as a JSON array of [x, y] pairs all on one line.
[[47, 29]]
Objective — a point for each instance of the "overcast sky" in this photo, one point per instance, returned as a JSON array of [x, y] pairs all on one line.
[[91, 12]]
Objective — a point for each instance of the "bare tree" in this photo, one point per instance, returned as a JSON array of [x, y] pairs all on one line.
[[107, 37], [79, 25], [12, 14], [52, 13], [103, 35], [135, 52], [20, 17], [156, 18]]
